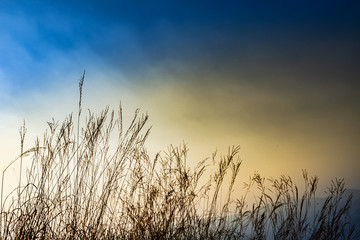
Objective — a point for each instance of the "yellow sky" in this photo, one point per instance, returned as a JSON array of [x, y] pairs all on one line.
[[280, 130]]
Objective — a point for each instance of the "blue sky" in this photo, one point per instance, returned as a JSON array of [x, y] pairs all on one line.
[[305, 36], [280, 79]]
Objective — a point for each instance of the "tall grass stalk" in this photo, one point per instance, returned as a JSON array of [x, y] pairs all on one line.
[[22, 132], [77, 164]]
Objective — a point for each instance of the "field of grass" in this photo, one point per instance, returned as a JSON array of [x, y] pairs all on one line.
[[99, 182]]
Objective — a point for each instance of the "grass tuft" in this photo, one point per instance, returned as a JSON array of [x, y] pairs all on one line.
[[99, 182]]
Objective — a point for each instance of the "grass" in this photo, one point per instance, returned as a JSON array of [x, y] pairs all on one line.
[[99, 182]]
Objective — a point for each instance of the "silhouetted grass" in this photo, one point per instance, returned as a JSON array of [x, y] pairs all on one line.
[[100, 183]]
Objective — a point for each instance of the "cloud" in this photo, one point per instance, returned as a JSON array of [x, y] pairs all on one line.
[[279, 79]]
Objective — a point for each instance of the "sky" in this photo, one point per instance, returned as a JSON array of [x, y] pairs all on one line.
[[279, 78]]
